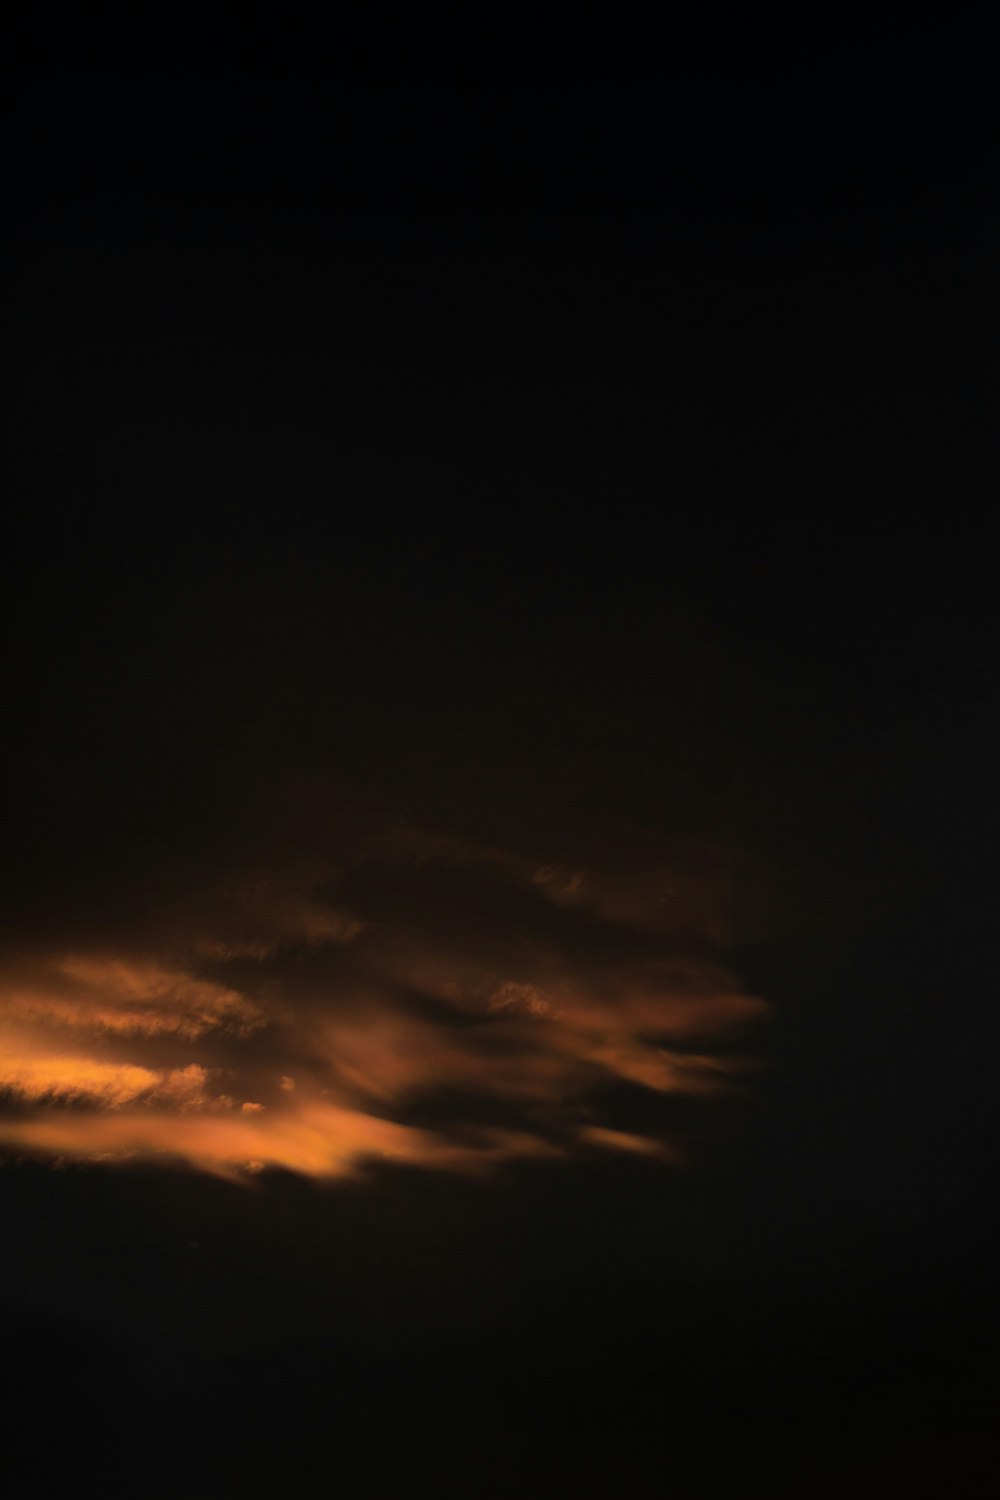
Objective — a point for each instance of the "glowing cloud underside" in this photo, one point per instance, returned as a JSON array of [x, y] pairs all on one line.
[[286, 1032]]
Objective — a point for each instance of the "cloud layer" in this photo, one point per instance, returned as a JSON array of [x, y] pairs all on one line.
[[411, 998]]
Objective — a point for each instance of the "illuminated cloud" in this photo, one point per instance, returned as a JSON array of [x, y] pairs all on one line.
[[321, 1140], [127, 995], [259, 916], [479, 1007], [108, 1085], [620, 1140]]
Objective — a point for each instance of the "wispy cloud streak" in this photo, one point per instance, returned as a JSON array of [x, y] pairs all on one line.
[[422, 1001]]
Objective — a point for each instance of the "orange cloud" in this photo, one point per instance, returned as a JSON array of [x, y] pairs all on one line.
[[128, 996], [620, 1140], [112, 1052], [531, 1045], [103, 1084], [318, 1140]]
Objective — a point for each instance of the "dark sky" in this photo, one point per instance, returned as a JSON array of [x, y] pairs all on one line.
[[495, 996]]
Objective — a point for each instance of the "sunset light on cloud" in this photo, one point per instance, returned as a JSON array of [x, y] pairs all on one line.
[[497, 757], [268, 1022]]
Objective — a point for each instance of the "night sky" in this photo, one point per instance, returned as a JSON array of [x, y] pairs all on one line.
[[497, 993]]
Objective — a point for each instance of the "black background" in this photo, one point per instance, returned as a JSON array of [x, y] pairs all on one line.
[[618, 441]]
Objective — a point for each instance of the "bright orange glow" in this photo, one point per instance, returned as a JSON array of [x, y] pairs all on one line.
[[318, 1140], [210, 1045], [115, 994], [107, 1084]]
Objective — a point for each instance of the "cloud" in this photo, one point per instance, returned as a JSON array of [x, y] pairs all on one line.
[[407, 996], [258, 916], [42, 1076], [621, 1140], [318, 1140], [128, 995]]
